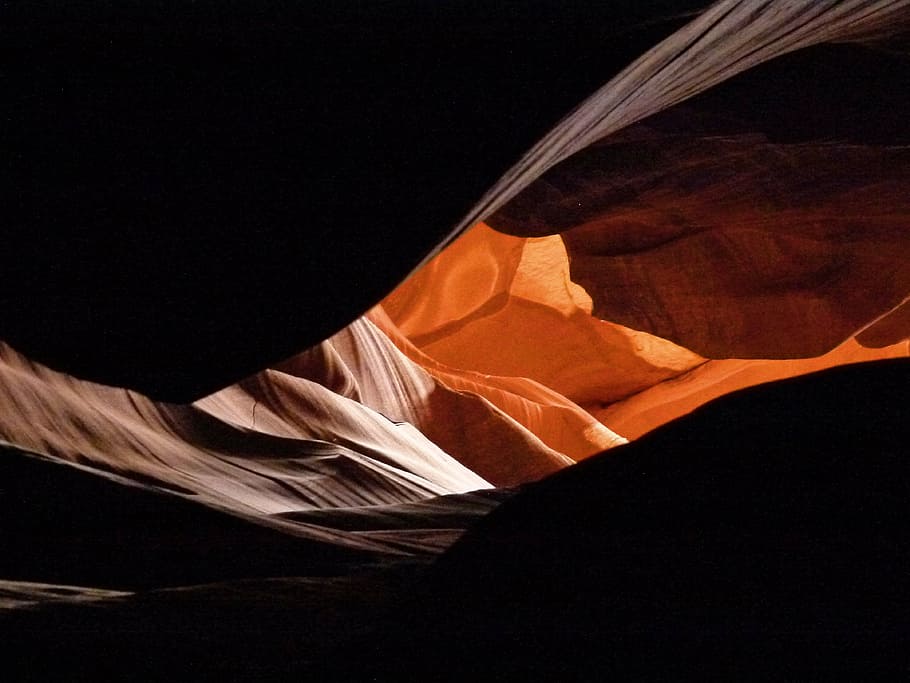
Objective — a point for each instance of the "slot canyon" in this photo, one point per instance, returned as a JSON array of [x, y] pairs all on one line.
[[446, 341]]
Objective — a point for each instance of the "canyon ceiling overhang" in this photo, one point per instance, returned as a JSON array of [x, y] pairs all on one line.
[[195, 195]]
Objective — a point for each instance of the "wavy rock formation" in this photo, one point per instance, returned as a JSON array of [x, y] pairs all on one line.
[[553, 418], [273, 445], [517, 311], [257, 436], [441, 404]]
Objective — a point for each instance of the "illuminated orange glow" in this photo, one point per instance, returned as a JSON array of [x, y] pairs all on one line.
[[667, 401], [499, 315], [526, 318], [560, 424]]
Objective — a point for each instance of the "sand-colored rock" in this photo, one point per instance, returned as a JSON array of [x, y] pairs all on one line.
[[275, 444]]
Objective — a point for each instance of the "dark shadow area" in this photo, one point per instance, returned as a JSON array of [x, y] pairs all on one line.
[[70, 526], [195, 191], [764, 535]]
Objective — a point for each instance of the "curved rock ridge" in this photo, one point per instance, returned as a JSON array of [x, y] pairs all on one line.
[[364, 420], [508, 430], [274, 444], [726, 39]]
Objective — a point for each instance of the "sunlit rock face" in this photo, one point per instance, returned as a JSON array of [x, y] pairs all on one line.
[[457, 410], [516, 311], [273, 445]]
